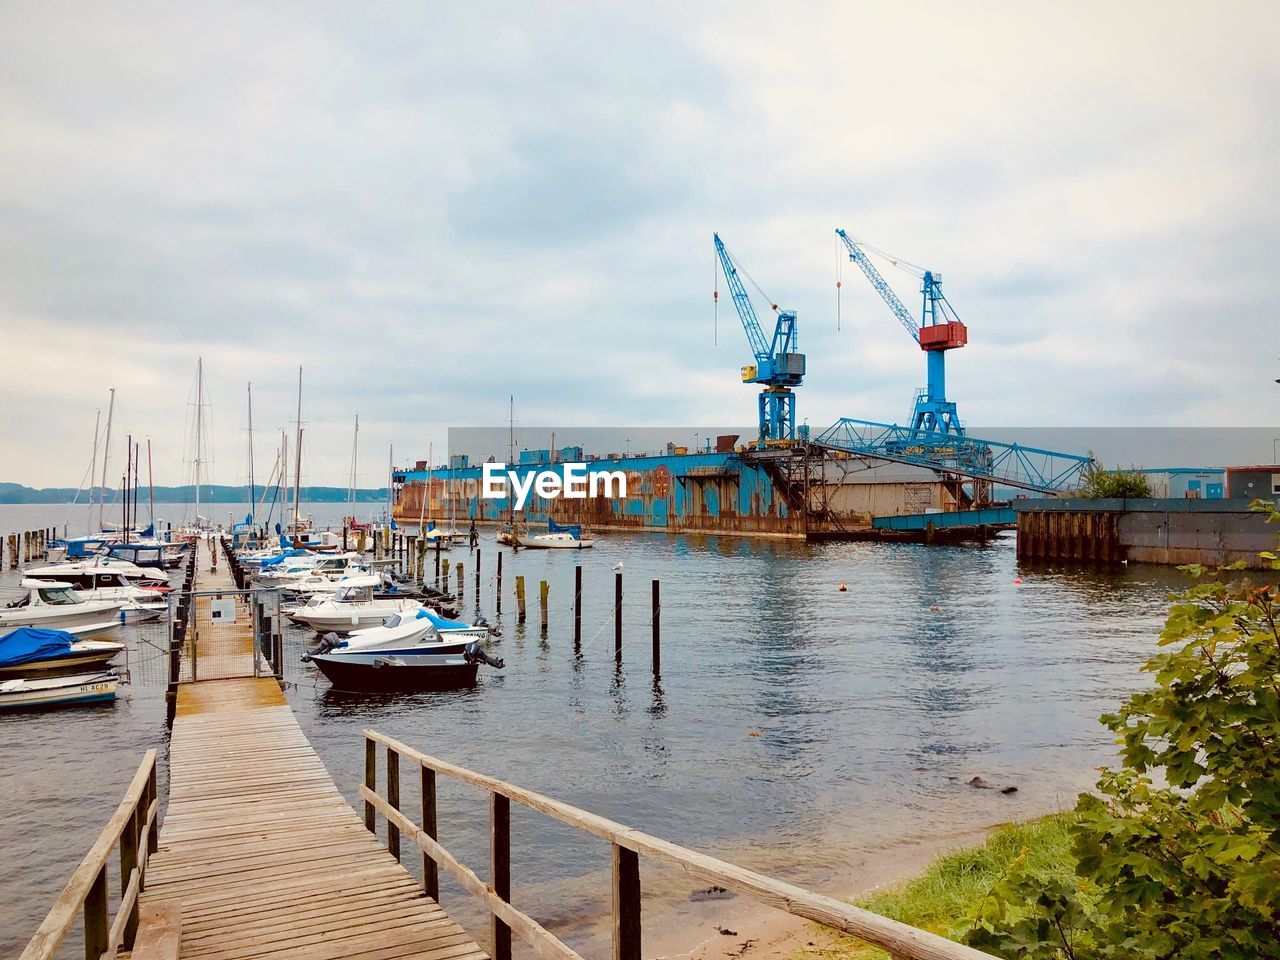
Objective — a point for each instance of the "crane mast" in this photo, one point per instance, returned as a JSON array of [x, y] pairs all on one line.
[[938, 331], [779, 366]]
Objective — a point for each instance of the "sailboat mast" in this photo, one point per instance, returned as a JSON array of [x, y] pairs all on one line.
[[151, 489], [283, 483], [199, 429], [252, 489], [391, 469], [355, 450], [297, 454], [93, 465], [106, 456], [128, 483]]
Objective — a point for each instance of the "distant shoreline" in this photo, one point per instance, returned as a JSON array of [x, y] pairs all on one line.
[[16, 493]]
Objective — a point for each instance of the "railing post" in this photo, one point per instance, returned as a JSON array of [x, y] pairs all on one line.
[[370, 781], [393, 799], [97, 924], [626, 904], [128, 863], [500, 870], [153, 835], [430, 871]]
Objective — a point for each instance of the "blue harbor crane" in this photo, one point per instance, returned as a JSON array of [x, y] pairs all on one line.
[[779, 366], [938, 331]]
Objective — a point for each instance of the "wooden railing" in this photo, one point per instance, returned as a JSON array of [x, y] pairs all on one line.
[[903, 942], [133, 828]]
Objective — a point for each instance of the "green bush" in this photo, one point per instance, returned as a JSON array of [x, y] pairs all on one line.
[[1099, 484], [1179, 850]]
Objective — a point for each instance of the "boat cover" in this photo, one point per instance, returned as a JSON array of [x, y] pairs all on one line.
[[29, 644], [439, 622], [282, 557], [573, 529]]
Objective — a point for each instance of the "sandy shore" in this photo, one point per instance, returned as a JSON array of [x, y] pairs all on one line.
[[743, 928]]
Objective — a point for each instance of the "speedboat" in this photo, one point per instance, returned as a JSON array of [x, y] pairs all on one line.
[[29, 649], [402, 654], [308, 565], [76, 573], [137, 604], [56, 691], [55, 605], [448, 628], [352, 607]]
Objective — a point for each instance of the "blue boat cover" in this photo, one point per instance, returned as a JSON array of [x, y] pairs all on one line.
[[150, 531], [573, 529], [439, 622], [28, 644], [282, 557]]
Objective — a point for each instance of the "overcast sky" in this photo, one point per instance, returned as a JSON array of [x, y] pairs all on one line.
[[431, 206]]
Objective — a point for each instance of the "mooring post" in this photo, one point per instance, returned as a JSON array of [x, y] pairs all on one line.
[[577, 607], [657, 631], [626, 904], [462, 586], [437, 562], [497, 594], [543, 589], [477, 576], [520, 598], [344, 535], [617, 616]]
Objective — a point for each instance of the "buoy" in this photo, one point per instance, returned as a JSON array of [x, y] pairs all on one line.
[[1017, 579], [843, 588]]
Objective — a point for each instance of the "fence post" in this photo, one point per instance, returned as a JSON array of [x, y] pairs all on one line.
[[370, 781], [626, 904], [430, 871], [153, 836], [128, 863], [97, 924], [500, 870], [393, 799]]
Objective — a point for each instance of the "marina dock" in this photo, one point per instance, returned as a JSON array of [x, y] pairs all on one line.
[[260, 856]]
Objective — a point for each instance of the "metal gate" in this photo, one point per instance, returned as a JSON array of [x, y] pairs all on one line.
[[224, 634]]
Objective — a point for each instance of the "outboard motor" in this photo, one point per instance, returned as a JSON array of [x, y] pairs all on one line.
[[330, 641], [473, 653]]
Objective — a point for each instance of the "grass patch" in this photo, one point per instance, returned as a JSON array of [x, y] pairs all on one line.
[[943, 898]]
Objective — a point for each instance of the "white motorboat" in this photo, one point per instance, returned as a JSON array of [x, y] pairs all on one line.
[[137, 604], [84, 573], [56, 606], [30, 649], [454, 628], [353, 607], [56, 691], [403, 653], [298, 568]]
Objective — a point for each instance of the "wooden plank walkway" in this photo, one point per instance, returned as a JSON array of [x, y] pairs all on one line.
[[261, 853]]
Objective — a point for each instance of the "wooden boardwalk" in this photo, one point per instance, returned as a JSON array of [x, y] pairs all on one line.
[[260, 852]]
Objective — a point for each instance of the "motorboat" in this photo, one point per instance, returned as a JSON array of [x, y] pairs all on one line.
[[55, 605], [405, 653], [353, 606], [449, 628], [30, 649], [29, 692], [73, 573], [307, 565], [138, 604]]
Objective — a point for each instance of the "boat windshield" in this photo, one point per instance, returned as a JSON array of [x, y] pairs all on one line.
[[354, 594], [392, 621], [58, 596]]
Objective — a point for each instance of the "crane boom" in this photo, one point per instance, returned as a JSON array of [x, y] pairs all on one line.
[[881, 285], [742, 302]]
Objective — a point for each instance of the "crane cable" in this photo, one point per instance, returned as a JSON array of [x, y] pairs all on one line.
[[840, 254], [738, 267]]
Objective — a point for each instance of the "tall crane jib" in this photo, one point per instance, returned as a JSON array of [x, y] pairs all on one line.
[[779, 365], [938, 330]]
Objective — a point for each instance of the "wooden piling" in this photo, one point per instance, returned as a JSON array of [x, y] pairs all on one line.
[[477, 576], [617, 616], [497, 594], [520, 598], [657, 631], [543, 589], [577, 606], [462, 586]]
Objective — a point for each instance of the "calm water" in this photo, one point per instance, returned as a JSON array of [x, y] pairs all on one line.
[[795, 728]]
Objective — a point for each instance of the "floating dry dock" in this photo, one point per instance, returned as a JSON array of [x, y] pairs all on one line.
[[260, 857]]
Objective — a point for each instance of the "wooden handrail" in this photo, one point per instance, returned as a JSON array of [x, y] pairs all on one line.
[[133, 824], [901, 940]]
